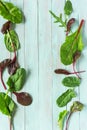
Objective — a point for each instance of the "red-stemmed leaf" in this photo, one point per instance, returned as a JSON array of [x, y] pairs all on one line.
[[6, 27]]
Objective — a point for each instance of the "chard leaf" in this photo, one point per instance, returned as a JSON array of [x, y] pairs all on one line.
[[7, 105], [68, 9], [77, 106], [61, 119], [16, 81], [69, 47], [10, 12], [11, 41], [71, 81], [65, 98]]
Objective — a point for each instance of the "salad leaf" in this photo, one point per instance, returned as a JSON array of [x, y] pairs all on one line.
[[7, 105], [77, 106], [65, 98], [61, 119], [10, 12], [58, 19], [11, 41], [69, 47], [68, 9], [16, 81], [71, 81]]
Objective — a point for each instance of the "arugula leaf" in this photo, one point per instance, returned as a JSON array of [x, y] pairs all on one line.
[[16, 81], [10, 12], [61, 119], [71, 81], [65, 98], [68, 9], [69, 47], [11, 41], [7, 105], [58, 19]]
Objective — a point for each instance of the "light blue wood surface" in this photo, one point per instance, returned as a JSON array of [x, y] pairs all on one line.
[[40, 41]]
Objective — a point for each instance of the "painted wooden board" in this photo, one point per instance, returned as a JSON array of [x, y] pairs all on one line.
[[40, 40]]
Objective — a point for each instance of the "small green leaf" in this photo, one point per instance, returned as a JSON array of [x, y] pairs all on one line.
[[16, 81], [7, 105], [10, 12], [71, 81], [61, 119], [69, 47], [65, 98], [11, 41], [68, 9], [77, 106]]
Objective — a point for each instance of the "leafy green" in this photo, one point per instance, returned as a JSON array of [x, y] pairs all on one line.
[[7, 105], [61, 119], [68, 9], [59, 19], [71, 81], [16, 81], [65, 98], [77, 106], [69, 47], [11, 41], [10, 12]]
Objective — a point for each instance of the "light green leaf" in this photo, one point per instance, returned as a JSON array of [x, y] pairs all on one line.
[[11, 41], [16, 81], [10, 12], [71, 81], [65, 98], [69, 47], [61, 119], [7, 105], [68, 9]]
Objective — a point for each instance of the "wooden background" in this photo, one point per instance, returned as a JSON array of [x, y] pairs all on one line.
[[40, 42]]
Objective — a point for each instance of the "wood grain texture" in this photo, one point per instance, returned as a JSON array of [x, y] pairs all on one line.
[[40, 40]]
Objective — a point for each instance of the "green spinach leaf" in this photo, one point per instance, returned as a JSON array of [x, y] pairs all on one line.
[[7, 105], [11, 41], [10, 12], [68, 9], [69, 47], [65, 98], [71, 81], [16, 81], [61, 119]]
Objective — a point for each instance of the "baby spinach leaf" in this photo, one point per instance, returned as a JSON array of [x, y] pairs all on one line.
[[65, 98], [68, 9], [69, 47], [61, 119], [7, 105], [71, 81], [11, 41], [10, 12], [6, 27], [72, 44], [16, 81]]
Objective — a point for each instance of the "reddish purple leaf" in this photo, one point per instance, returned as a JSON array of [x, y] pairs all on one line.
[[6, 27], [62, 71], [69, 24]]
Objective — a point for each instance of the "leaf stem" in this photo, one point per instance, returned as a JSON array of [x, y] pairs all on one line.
[[1, 77], [68, 119]]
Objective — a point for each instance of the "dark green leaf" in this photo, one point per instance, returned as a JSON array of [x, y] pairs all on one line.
[[7, 105], [71, 81], [68, 7], [16, 81], [69, 47], [61, 119], [65, 98], [10, 12], [11, 41]]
